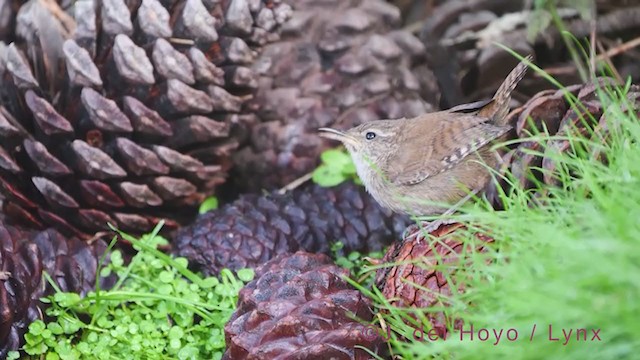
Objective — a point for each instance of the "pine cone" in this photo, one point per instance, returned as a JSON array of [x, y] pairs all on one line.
[[339, 63], [420, 268], [550, 110], [24, 256], [125, 112], [300, 307], [254, 229]]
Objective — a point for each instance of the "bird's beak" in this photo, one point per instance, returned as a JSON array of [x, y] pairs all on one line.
[[341, 136]]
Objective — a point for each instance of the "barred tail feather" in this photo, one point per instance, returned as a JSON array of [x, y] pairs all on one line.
[[499, 107]]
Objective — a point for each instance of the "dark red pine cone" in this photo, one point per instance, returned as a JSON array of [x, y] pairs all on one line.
[[24, 257], [300, 307], [420, 268], [255, 228]]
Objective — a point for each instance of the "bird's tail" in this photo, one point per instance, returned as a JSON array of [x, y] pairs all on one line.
[[498, 108]]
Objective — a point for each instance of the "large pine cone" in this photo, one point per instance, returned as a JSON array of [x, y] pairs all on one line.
[[419, 268], [125, 112], [24, 256], [254, 229], [339, 63], [550, 110], [300, 307]]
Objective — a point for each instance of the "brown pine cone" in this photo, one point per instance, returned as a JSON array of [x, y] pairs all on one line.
[[300, 307], [254, 229], [24, 256], [550, 110], [125, 112], [419, 269], [339, 63]]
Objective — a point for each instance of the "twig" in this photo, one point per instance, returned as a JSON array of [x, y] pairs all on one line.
[[295, 183], [593, 23], [384, 327], [606, 56], [557, 70], [181, 41], [607, 59], [611, 43], [624, 47]]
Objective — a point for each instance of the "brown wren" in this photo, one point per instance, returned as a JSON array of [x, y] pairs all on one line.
[[430, 164]]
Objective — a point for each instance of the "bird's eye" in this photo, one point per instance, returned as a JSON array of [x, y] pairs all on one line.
[[370, 135]]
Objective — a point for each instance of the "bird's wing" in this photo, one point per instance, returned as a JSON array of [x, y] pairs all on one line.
[[429, 150]]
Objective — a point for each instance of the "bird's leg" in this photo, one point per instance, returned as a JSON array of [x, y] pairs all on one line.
[[427, 227]]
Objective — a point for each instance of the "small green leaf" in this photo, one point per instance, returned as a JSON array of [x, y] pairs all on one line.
[[52, 356], [36, 349], [116, 258], [165, 289], [188, 352], [166, 277], [180, 261], [327, 177], [246, 275], [335, 157], [105, 323], [66, 299], [349, 169], [13, 355], [344, 262], [175, 344], [337, 246], [209, 283], [92, 337], [176, 332], [84, 348], [210, 203], [37, 327], [105, 271]]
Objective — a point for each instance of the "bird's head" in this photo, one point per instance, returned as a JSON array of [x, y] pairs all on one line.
[[371, 141]]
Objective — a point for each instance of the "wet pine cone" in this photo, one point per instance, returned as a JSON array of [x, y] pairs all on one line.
[[24, 256], [419, 269], [125, 112], [300, 307], [256, 228], [550, 110], [338, 63]]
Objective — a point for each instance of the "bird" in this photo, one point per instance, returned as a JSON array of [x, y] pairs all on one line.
[[431, 164]]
